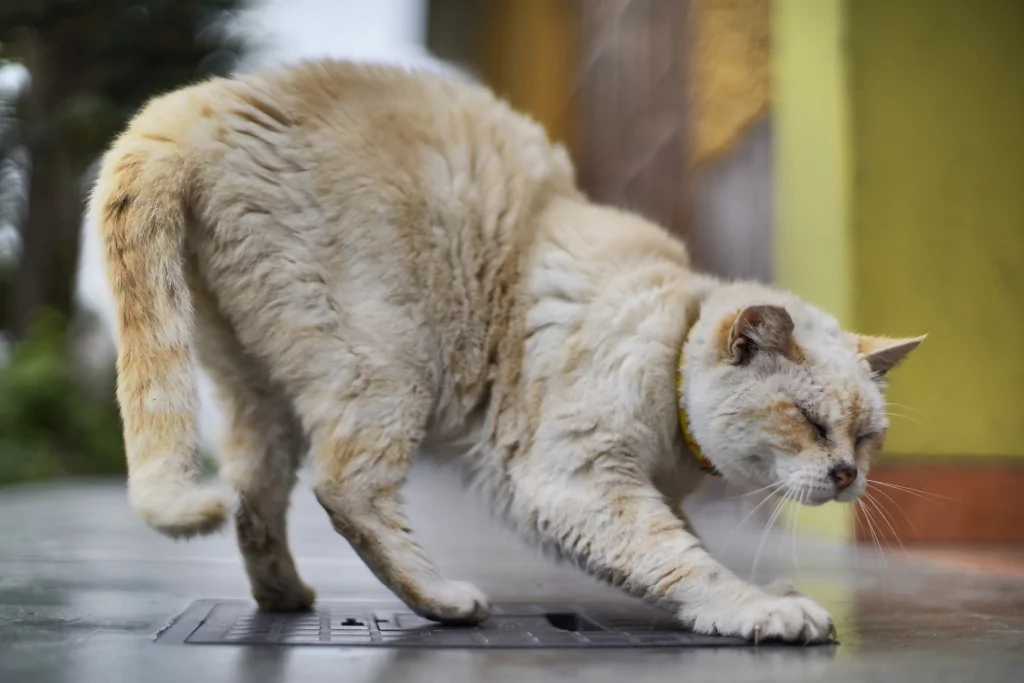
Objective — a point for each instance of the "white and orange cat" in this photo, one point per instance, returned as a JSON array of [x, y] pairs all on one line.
[[371, 262]]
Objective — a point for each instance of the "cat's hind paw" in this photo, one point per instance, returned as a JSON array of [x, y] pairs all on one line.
[[297, 597], [455, 602]]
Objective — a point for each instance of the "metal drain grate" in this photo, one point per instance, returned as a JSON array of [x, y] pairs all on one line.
[[210, 622]]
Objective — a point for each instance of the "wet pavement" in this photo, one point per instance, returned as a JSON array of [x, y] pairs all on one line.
[[85, 587]]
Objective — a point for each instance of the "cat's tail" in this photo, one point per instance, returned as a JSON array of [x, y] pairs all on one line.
[[138, 206]]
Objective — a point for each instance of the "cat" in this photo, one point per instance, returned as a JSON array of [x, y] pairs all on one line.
[[372, 262]]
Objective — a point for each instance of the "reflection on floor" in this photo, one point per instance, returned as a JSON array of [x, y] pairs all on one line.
[[84, 586]]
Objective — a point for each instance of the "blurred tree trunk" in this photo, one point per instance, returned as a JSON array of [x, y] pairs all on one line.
[[46, 271], [91, 65]]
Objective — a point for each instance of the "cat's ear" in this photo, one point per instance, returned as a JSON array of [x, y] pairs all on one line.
[[885, 353], [759, 328]]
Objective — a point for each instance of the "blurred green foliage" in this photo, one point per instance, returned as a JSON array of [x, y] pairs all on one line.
[[90, 64], [51, 422]]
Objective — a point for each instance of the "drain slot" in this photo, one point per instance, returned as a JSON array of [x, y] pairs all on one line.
[[571, 621]]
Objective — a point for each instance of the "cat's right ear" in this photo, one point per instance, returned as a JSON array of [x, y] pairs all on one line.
[[759, 328], [885, 353]]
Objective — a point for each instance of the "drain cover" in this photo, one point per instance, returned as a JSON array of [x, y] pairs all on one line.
[[209, 622]]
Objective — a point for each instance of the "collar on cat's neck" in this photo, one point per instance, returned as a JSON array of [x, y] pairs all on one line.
[[684, 421]]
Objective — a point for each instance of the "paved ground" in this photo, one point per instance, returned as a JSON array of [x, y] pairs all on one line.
[[84, 586]]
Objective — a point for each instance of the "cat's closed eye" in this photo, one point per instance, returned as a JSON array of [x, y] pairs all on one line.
[[864, 438], [819, 428]]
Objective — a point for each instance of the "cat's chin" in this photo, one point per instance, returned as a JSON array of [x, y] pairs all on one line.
[[823, 498]]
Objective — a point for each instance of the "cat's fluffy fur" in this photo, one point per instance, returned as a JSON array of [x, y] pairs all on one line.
[[368, 261]]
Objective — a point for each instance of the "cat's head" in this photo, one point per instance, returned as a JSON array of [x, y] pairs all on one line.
[[776, 393]]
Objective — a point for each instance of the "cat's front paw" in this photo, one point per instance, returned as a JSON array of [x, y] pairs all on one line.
[[762, 616]]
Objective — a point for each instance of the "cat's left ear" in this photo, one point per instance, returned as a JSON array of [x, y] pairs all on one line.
[[759, 328], [884, 353]]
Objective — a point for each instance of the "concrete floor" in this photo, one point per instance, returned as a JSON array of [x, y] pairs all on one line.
[[84, 586]]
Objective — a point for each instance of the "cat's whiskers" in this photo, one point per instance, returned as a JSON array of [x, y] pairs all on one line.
[[803, 493], [899, 509], [915, 492], [903, 405], [750, 493], [750, 514], [874, 537], [858, 514], [908, 418], [885, 518], [768, 527]]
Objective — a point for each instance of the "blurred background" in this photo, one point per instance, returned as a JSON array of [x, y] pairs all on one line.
[[867, 154]]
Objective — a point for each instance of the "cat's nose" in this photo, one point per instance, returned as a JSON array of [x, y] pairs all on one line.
[[843, 475]]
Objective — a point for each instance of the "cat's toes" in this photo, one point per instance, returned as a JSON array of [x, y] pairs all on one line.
[[297, 598], [766, 617], [455, 602]]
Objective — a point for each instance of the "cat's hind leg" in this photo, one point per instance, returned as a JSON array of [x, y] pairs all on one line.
[[360, 473], [260, 455], [365, 401], [350, 348]]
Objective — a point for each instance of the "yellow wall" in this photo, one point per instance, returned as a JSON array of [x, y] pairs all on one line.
[[810, 118], [937, 97], [810, 135], [899, 134]]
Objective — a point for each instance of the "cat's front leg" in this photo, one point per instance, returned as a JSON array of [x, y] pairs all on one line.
[[622, 531]]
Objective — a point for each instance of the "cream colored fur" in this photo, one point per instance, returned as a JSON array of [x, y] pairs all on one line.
[[371, 263]]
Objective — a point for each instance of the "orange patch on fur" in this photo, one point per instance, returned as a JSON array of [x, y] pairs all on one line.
[[269, 109], [856, 416], [793, 434], [773, 411], [156, 137], [674, 576], [385, 452], [576, 353], [130, 162], [117, 206]]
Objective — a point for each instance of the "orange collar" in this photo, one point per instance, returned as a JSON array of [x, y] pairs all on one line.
[[684, 421]]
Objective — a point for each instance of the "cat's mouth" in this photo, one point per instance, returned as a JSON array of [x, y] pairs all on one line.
[[817, 487], [818, 500], [826, 493], [847, 496]]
